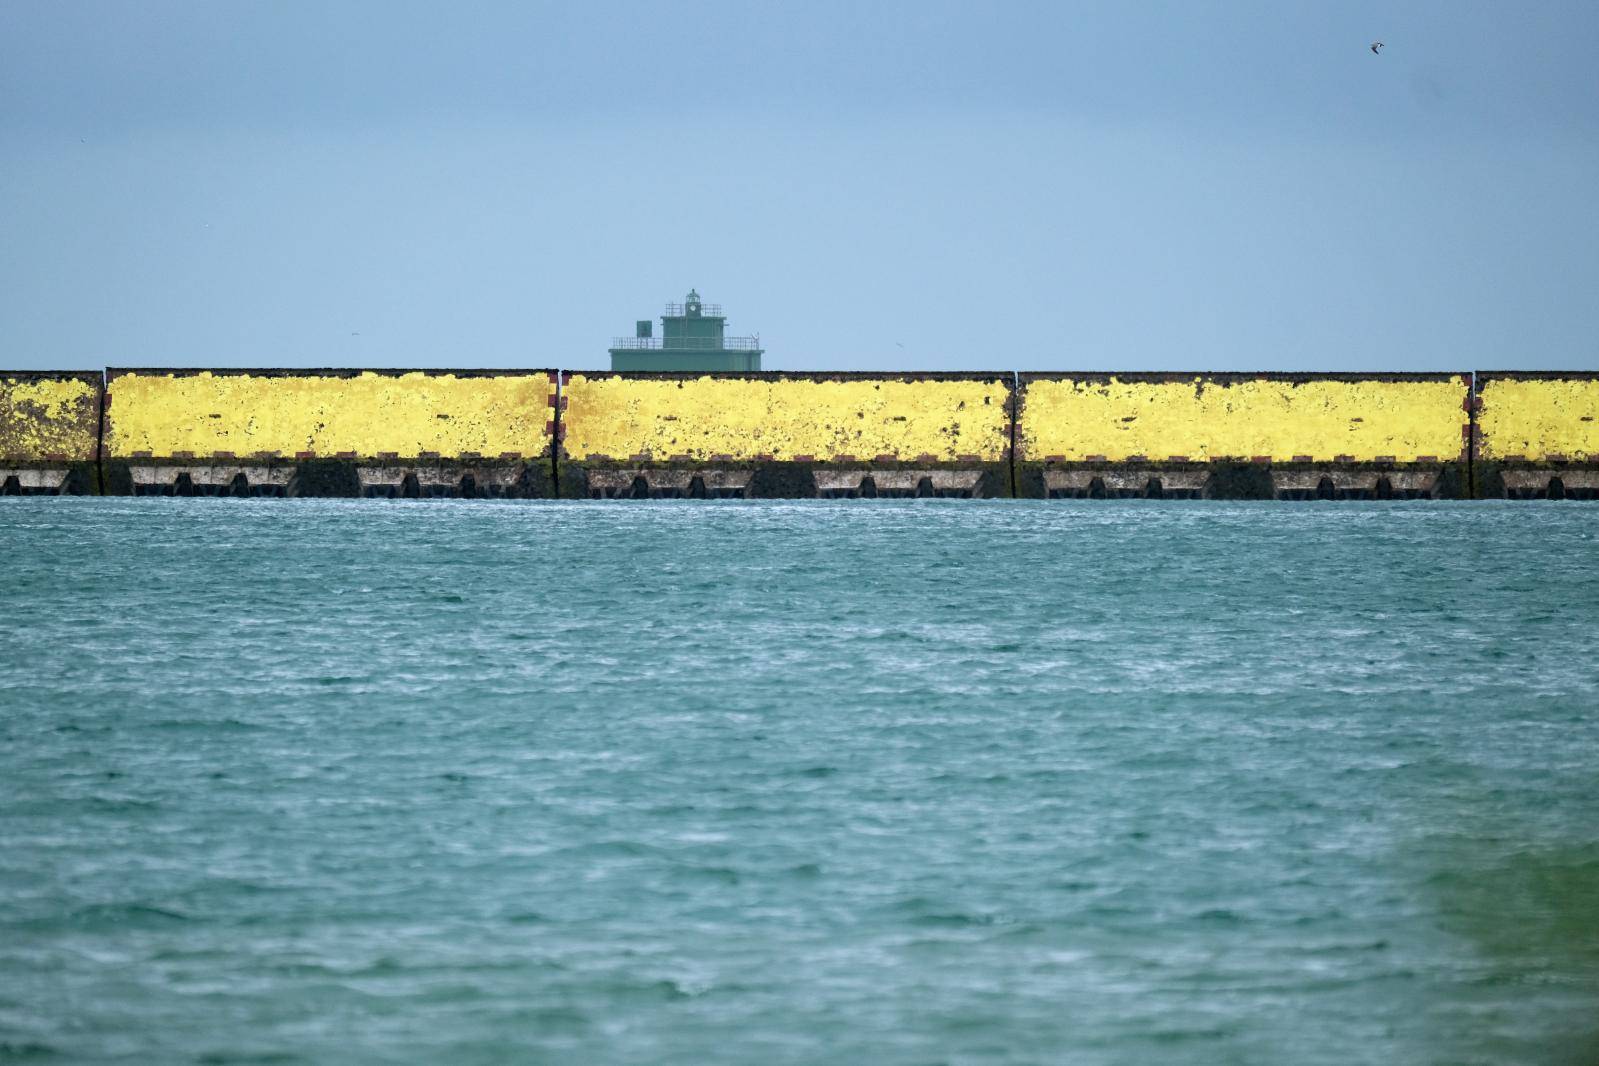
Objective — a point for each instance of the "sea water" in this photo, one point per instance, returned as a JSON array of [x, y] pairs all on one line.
[[798, 782]]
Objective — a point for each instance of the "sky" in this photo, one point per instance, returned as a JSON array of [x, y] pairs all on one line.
[[876, 186]]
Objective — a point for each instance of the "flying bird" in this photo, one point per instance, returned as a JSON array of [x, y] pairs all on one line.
[[1376, 48]]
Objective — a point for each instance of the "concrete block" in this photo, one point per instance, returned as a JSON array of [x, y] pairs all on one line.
[[401, 433], [1537, 435], [777, 435], [1242, 436], [50, 432]]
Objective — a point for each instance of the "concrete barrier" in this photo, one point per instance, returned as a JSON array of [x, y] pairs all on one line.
[[1243, 436], [643, 435], [495, 433], [49, 432], [1537, 435], [404, 433]]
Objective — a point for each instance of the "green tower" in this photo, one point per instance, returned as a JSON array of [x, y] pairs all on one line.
[[691, 339]]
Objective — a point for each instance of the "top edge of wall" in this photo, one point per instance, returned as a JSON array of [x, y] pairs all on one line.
[[796, 375], [1538, 375], [818, 375], [52, 375], [1238, 375], [327, 372]]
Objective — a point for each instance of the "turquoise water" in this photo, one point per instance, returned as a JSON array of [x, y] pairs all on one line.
[[819, 782]]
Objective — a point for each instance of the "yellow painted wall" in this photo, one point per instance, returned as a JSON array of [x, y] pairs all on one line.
[[368, 414], [44, 417], [786, 418], [1205, 420], [1539, 417]]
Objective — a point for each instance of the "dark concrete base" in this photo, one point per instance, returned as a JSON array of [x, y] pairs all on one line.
[[49, 479], [1242, 481], [332, 478], [776, 480], [1538, 481]]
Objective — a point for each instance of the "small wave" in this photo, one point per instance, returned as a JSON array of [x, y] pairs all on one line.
[[1020, 930], [1185, 1036], [76, 727], [1220, 916], [97, 914], [232, 886], [957, 919], [721, 874], [118, 804], [672, 809], [205, 725], [553, 1018], [607, 848], [526, 918], [926, 912], [663, 989], [1344, 949]]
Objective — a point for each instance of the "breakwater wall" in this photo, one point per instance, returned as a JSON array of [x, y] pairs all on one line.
[[785, 435], [1537, 435], [582, 434], [1244, 436], [50, 432], [395, 433]]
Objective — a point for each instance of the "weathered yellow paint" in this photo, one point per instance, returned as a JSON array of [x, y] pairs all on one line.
[[368, 414], [1536, 418], [47, 419], [706, 418], [1204, 419]]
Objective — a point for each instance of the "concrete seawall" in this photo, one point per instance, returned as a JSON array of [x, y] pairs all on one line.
[[402, 433], [785, 435], [1243, 436], [1537, 435], [50, 432], [534, 433]]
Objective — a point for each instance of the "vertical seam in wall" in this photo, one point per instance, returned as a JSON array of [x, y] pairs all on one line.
[[1472, 491], [99, 436], [555, 440], [1015, 416]]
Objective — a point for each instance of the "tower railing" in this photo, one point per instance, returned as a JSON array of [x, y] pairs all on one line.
[[706, 311], [687, 344]]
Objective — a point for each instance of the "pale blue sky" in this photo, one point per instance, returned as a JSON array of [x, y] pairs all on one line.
[[867, 185]]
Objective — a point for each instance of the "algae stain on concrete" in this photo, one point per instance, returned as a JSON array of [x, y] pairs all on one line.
[[48, 416]]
